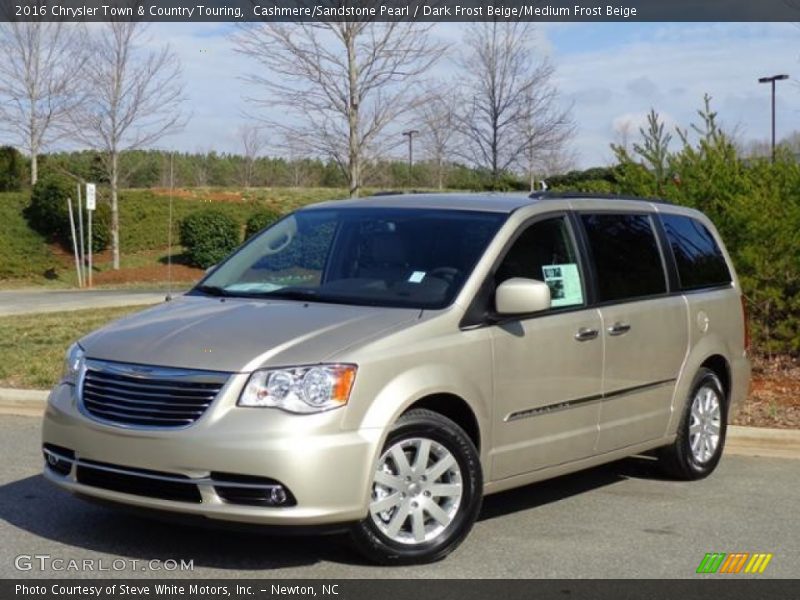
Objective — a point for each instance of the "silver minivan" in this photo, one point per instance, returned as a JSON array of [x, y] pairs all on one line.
[[380, 365]]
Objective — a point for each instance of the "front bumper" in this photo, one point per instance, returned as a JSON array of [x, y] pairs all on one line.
[[325, 469]]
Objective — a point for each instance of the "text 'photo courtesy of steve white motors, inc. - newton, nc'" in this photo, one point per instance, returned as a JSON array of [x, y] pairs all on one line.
[[148, 589], [298, 10]]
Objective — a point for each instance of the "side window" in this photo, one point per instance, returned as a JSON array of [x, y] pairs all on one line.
[[699, 260], [626, 256], [545, 251]]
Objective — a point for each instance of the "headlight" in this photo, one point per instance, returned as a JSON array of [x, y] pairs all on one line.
[[73, 363], [300, 389]]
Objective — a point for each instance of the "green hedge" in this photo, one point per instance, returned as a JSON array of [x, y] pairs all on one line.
[[259, 221], [208, 236]]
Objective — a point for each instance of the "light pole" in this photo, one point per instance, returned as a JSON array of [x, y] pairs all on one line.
[[410, 133], [771, 80]]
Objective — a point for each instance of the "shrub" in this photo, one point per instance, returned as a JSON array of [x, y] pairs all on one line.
[[12, 169], [208, 236], [101, 227], [48, 213], [259, 220]]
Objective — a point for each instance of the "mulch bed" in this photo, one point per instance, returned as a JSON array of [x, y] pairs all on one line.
[[774, 395]]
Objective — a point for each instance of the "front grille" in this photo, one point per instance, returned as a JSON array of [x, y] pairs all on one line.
[[148, 397], [139, 482]]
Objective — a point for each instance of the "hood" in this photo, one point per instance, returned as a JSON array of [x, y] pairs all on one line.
[[238, 334]]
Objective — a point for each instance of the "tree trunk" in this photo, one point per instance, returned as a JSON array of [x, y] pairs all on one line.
[[34, 149], [114, 211], [354, 153], [34, 169]]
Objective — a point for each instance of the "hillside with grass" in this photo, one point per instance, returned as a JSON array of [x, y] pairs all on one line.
[[28, 258]]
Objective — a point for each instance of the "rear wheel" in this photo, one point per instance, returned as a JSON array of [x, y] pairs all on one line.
[[426, 492], [701, 434]]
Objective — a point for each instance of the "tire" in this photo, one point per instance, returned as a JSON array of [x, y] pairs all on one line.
[[696, 451], [419, 513]]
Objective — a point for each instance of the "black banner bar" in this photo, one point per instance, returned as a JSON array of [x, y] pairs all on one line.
[[702, 588], [399, 10]]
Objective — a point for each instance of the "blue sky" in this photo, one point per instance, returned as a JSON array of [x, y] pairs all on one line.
[[612, 73]]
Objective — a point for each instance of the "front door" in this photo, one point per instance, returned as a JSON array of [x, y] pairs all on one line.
[[548, 367]]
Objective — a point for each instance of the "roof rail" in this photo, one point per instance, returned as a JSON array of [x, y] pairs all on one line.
[[547, 195], [398, 193]]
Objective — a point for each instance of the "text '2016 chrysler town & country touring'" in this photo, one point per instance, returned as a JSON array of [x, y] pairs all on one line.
[[380, 365]]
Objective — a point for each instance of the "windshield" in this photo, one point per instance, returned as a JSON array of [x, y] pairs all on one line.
[[373, 256]]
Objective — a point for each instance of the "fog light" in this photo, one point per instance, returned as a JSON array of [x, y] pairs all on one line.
[[277, 495], [55, 463]]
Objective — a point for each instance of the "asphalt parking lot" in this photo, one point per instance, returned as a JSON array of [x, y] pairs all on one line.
[[617, 521]]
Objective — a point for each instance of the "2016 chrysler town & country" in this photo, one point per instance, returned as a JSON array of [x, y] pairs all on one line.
[[383, 364]]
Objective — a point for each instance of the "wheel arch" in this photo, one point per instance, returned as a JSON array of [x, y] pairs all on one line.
[[719, 365], [454, 408]]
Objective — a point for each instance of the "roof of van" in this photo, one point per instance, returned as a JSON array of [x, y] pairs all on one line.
[[481, 201]]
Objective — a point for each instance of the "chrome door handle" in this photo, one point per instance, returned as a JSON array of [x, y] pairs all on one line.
[[619, 328], [585, 334]]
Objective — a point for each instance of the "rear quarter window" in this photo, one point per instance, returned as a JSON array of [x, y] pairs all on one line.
[[698, 257]]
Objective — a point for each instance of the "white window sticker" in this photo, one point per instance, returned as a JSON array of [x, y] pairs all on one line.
[[416, 277], [565, 284]]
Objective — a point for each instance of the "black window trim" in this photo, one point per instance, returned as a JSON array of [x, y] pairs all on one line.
[[479, 313]]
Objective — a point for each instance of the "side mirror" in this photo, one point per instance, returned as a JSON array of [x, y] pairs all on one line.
[[519, 296]]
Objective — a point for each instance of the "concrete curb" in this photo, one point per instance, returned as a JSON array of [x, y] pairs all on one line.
[[748, 441], [27, 403]]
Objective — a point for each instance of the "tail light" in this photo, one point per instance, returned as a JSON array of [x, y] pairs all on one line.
[[746, 322]]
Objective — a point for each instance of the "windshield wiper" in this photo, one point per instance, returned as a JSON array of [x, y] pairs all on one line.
[[213, 290], [290, 294]]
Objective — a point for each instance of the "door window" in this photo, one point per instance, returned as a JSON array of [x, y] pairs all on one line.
[[626, 256], [545, 251]]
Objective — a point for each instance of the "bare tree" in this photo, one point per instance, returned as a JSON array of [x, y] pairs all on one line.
[[39, 86], [436, 116], [343, 83], [544, 128], [135, 101], [252, 144], [514, 106]]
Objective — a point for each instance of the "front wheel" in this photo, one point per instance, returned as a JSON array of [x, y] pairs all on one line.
[[701, 433], [426, 492]]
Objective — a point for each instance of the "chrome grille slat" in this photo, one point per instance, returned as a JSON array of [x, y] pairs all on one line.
[[124, 389], [139, 409], [148, 419], [148, 397]]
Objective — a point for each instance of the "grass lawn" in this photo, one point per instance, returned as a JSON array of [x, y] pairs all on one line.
[[32, 346]]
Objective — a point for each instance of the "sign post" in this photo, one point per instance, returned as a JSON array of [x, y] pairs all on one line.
[[91, 203], [82, 247], [74, 243]]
